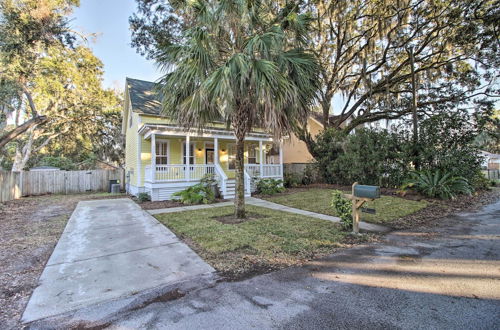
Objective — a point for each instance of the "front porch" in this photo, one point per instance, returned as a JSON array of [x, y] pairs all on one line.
[[179, 159]]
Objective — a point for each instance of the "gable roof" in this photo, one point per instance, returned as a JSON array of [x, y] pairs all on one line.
[[143, 96], [145, 99]]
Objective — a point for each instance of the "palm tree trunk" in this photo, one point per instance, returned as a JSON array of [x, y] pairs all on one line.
[[239, 200]]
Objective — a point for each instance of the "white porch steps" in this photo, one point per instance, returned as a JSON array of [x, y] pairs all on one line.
[[230, 190]]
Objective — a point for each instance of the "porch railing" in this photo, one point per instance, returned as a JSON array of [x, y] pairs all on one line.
[[271, 170], [178, 172], [248, 183], [268, 170], [253, 170], [194, 172]]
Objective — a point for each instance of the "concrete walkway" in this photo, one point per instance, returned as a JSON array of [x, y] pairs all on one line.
[[110, 249], [273, 206]]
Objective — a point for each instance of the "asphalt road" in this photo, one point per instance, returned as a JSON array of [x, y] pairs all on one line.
[[442, 278]]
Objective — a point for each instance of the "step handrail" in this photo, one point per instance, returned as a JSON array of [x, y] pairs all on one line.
[[222, 178], [247, 183]]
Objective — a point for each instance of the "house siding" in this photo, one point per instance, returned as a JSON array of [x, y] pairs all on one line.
[[136, 163], [295, 150], [131, 150]]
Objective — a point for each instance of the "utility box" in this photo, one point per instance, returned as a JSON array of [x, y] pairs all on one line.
[[363, 191], [115, 188], [112, 182]]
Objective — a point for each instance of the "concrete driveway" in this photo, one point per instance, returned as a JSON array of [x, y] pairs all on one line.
[[111, 249], [442, 278]]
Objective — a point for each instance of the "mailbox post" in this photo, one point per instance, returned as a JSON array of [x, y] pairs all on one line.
[[360, 195]]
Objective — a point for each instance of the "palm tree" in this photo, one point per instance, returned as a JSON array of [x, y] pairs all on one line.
[[243, 62]]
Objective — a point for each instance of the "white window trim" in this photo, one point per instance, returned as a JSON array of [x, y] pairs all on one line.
[[192, 148], [228, 146], [168, 149], [255, 149]]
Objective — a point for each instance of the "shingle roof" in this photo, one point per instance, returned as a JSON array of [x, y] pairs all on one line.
[[143, 96]]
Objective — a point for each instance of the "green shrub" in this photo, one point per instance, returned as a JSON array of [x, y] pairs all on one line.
[[436, 184], [208, 180], [343, 209], [447, 144], [385, 158], [197, 194], [310, 174], [143, 197], [292, 180], [201, 193], [369, 156], [480, 181], [270, 186]]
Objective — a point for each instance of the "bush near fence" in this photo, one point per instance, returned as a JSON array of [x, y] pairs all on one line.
[[27, 183]]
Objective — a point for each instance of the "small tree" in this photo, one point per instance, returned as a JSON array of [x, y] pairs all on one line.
[[242, 62]]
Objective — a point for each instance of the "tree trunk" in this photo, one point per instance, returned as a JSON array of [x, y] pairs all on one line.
[[6, 138], [414, 110], [239, 200], [23, 154], [325, 106]]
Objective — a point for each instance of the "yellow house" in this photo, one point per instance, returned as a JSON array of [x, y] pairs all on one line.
[[294, 150], [162, 158]]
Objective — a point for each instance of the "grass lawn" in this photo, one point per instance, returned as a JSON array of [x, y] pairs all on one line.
[[319, 200], [268, 240]]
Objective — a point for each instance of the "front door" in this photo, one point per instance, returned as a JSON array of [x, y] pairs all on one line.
[[209, 156]]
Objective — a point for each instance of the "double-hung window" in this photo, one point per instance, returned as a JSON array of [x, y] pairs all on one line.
[[231, 157], [191, 153], [161, 152], [252, 154]]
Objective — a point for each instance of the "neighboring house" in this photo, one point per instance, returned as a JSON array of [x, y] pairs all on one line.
[[294, 150], [162, 158], [490, 161]]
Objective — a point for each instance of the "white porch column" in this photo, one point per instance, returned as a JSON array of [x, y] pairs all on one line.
[[216, 151], [261, 159], [188, 172], [281, 158], [153, 157]]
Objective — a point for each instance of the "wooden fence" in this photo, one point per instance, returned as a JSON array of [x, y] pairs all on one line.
[[27, 183], [9, 185]]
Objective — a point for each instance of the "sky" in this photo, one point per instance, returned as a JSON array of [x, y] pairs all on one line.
[[109, 19]]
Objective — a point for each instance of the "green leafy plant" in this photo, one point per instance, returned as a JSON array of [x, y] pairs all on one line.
[[310, 174], [480, 181], [292, 180], [198, 194], [270, 186], [208, 180], [143, 197], [386, 157], [343, 209], [436, 184]]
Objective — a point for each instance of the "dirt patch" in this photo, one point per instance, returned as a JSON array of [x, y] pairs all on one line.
[[238, 265], [231, 219], [439, 209], [166, 204], [30, 229], [168, 296]]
